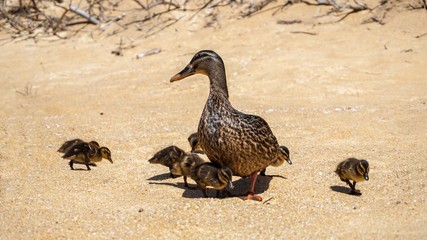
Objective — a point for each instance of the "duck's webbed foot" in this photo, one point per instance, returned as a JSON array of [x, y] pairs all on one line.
[[252, 196]]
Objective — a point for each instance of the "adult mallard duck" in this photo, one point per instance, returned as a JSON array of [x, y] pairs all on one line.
[[230, 138], [85, 153], [355, 170]]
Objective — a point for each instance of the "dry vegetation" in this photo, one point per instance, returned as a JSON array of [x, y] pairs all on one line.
[[38, 19]]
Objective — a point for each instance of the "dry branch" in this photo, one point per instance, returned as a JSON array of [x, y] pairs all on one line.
[[148, 52], [84, 14]]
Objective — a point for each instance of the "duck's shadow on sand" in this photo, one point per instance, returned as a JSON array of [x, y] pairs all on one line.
[[346, 190], [241, 186]]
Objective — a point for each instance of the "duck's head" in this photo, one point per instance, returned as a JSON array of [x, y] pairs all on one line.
[[225, 175], [106, 153], [282, 157], [167, 156], [204, 62], [285, 153], [193, 139], [363, 169]]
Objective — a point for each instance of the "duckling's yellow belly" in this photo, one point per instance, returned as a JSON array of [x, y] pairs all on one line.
[[82, 159], [351, 175]]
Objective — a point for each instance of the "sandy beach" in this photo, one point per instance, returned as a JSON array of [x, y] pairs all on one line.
[[329, 91]]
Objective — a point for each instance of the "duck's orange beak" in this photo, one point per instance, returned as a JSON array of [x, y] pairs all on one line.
[[187, 71]]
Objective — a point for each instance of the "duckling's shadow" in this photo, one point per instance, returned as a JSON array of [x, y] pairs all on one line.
[[241, 187], [160, 177], [80, 169], [346, 190], [177, 185]]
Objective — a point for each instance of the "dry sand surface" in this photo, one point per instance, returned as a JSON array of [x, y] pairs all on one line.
[[351, 90]]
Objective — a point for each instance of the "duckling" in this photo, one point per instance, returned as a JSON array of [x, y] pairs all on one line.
[[230, 138], [178, 161], [193, 139], [209, 174], [167, 156], [281, 158], [355, 170], [87, 154]]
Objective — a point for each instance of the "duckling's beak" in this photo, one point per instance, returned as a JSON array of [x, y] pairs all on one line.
[[366, 176], [289, 161], [197, 151], [111, 160], [230, 184], [154, 160], [187, 71]]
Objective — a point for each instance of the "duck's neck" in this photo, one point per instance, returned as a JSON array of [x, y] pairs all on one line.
[[218, 82]]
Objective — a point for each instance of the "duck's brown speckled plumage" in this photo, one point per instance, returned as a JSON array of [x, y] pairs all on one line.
[[242, 142], [230, 138]]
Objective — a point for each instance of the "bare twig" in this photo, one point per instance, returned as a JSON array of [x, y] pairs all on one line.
[[268, 200], [140, 4], [161, 2], [148, 52], [421, 35], [173, 21], [84, 14], [253, 8], [204, 6], [303, 32], [26, 91], [288, 22]]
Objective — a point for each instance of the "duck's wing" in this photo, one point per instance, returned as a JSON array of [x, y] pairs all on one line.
[[80, 149], [68, 145]]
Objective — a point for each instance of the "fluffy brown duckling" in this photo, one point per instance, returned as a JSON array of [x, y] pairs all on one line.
[[281, 158], [210, 175], [84, 153], [178, 161], [167, 156], [355, 170]]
